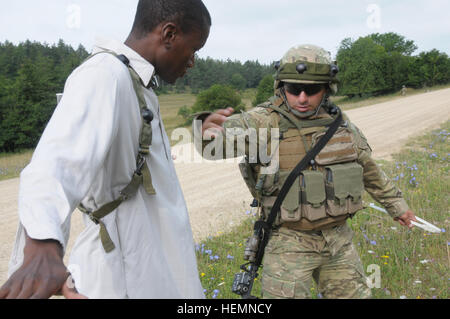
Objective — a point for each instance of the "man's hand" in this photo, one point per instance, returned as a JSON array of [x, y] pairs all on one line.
[[214, 122], [42, 273], [406, 219], [69, 291]]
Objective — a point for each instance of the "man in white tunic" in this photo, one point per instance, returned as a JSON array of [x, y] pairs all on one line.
[[87, 155]]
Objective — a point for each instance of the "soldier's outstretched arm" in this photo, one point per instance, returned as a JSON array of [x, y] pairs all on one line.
[[380, 186], [222, 134]]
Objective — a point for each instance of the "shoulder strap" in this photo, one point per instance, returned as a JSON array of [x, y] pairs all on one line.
[[142, 174]]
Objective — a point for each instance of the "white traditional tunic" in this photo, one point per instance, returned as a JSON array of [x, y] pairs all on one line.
[[88, 154]]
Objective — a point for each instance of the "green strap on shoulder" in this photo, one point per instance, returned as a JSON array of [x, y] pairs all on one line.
[[142, 175], [145, 136]]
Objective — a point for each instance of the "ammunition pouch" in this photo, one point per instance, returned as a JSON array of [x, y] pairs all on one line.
[[319, 198]]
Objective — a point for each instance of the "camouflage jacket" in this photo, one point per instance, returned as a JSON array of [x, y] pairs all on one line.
[[376, 183]]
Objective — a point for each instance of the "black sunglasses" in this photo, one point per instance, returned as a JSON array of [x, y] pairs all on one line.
[[309, 89]]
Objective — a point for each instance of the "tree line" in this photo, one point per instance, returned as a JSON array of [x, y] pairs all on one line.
[[31, 73], [208, 72], [384, 63]]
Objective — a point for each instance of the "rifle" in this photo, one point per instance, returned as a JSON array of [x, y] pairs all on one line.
[[254, 251]]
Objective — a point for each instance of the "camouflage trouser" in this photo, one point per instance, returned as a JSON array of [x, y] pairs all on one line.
[[293, 258]]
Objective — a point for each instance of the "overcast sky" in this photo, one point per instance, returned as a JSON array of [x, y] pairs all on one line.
[[242, 29]]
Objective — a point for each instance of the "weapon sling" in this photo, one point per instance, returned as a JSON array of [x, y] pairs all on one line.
[[263, 228]]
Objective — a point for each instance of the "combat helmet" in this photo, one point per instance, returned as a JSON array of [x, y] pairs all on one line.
[[308, 64]]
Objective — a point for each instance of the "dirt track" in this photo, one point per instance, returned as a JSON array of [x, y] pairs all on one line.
[[215, 194]]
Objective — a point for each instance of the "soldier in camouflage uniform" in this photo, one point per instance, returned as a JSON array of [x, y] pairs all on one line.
[[310, 239]]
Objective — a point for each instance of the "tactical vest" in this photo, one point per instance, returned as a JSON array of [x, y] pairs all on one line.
[[142, 175], [323, 196]]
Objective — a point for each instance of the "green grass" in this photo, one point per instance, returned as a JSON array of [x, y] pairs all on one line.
[[11, 164], [170, 104], [413, 263]]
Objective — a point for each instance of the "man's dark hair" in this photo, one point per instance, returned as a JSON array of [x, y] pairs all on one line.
[[187, 14]]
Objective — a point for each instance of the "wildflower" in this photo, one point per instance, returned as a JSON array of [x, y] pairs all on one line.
[[433, 155], [247, 212], [385, 257], [371, 252], [230, 257], [202, 274], [319, 295], [402, 297], [215, 293], [373, 242]]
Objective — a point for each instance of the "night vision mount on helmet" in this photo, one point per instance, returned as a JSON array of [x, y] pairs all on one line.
[[307, 64]]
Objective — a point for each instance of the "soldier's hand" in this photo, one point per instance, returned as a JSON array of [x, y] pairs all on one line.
[[406, 219], [214, 123], [42, 273]]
